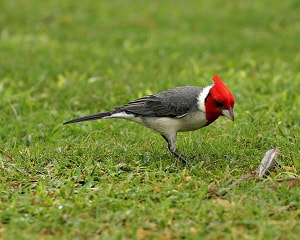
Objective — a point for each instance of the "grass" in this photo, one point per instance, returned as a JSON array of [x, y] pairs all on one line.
[[115, 179]]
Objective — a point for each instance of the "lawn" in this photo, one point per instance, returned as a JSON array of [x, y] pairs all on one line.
[[114, 179]]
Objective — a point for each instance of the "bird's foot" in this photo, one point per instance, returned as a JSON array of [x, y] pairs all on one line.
[[185, 162]]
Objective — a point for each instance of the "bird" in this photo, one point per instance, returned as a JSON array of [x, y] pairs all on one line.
[[179, 109]]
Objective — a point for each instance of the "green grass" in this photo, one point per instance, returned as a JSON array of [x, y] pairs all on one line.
[[115, 179]]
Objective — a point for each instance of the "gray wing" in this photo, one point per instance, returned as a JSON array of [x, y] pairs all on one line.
[[175, 102]]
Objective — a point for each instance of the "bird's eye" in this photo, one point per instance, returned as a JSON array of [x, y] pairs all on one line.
[[219, 104]]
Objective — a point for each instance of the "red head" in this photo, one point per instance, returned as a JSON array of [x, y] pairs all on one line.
[[219, 101]]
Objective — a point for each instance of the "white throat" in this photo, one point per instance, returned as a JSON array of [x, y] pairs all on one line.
[[202, 96]]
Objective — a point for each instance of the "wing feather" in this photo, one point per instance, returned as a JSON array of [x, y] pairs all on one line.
[[175, 102]]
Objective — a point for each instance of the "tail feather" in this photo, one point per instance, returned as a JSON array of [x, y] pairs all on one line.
[[90, 117]]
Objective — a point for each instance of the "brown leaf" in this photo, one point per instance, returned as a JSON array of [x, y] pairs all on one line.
[[290, 169], [141, 233], [213, 188], [289, 182], [223, 203]]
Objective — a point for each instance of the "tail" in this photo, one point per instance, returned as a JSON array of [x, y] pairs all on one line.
[[90, 117]]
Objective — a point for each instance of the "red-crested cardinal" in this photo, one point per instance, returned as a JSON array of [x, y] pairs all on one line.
[[175, 110]]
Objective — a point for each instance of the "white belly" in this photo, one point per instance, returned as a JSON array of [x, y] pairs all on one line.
[[168, 126]]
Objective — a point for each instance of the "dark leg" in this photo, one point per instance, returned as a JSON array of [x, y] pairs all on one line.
[[172, 148]]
